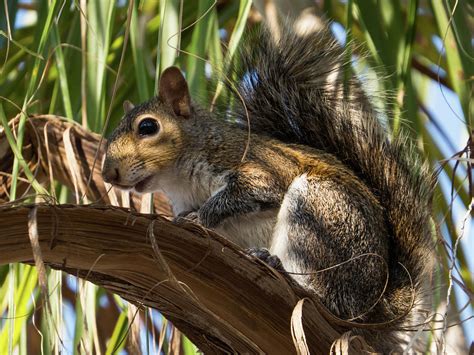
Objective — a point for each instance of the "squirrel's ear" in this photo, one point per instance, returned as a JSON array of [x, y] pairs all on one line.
[[174, 92], [127, 106]]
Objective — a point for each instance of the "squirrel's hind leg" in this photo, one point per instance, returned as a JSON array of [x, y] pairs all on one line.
[[329, 238]]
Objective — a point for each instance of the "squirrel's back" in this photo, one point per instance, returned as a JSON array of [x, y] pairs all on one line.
[[293, 90]]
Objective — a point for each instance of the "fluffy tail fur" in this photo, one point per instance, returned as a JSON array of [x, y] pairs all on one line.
[[293, 90]]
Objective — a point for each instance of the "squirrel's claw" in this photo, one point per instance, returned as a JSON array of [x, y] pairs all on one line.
[[199, 217], [187, 216], [264, 255]]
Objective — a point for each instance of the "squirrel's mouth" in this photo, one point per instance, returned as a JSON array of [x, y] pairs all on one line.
[[142, 184], [122, 186]]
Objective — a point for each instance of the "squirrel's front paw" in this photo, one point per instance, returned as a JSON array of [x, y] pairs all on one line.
[[200, 216], [187, 216], [264, 255]]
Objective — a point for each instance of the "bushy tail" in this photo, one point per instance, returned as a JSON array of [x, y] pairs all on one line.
[[293, 89]]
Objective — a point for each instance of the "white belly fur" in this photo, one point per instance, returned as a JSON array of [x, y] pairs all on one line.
[[251, 230]]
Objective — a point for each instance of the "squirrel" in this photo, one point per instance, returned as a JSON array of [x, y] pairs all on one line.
[[300, 173]]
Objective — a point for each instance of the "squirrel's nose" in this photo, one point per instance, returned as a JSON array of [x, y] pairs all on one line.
[[110, 173]]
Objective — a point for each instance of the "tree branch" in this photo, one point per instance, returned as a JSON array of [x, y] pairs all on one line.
[[205, 285]]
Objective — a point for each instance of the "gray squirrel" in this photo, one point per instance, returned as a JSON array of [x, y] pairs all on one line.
[[302, 175]]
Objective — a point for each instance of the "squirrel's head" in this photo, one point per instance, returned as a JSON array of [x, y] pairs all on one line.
[[149, 138]]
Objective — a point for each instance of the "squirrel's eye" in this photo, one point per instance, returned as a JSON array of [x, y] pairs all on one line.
[[147, 127]]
